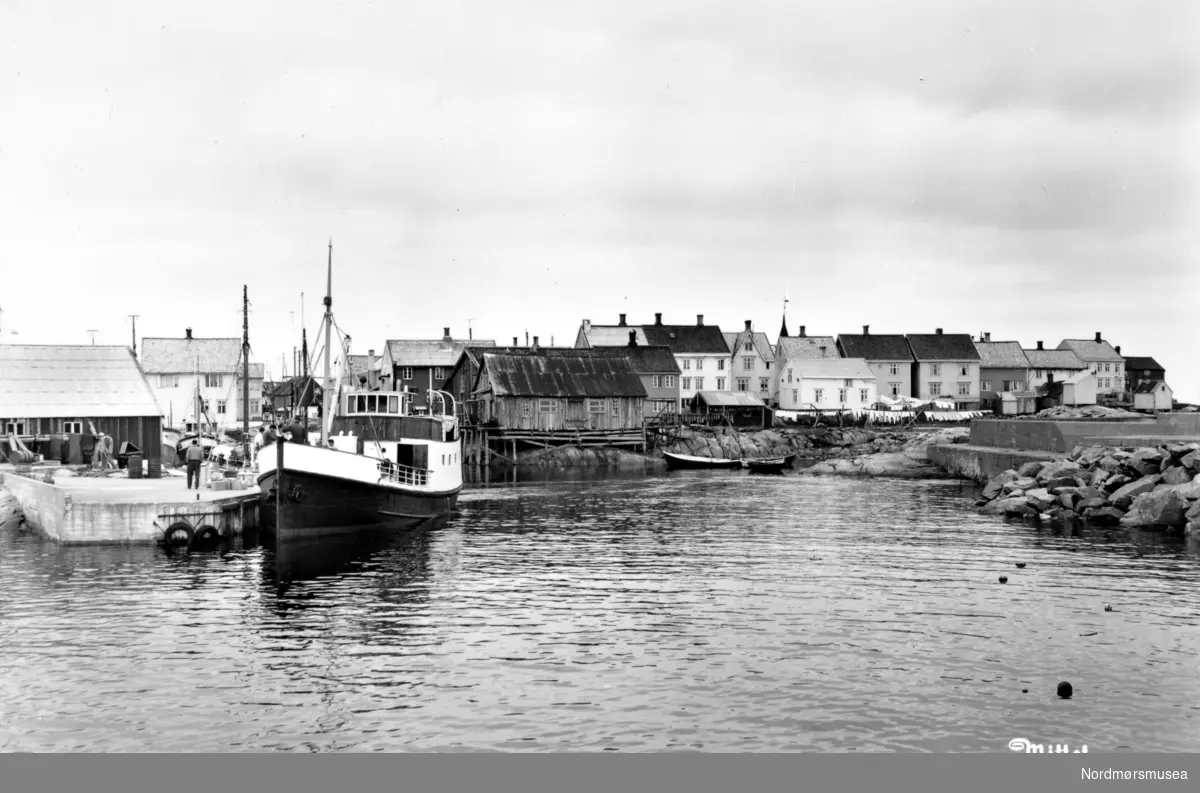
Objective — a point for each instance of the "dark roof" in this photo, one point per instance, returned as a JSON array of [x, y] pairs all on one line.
[[942, 347], [562, 373], [1148, 386], [874, 347], [687, 339], [644, 360], [1135, 362]]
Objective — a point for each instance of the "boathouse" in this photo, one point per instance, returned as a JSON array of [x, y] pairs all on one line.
[[56, 400], [737, 408], [557, 390], [1153, 395]]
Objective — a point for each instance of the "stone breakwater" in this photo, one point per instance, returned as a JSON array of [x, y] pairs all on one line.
[[1148, 487], [904, 457]]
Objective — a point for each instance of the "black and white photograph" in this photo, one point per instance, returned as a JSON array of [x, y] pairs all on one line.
[[591, 377]]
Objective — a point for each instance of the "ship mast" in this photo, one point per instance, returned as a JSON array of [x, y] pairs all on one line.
[[325, 388]]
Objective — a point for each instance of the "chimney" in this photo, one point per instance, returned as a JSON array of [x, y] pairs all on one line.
[[1118, 349], [747, 324], [866, 330], [445, 334], [658, 319], [370, 370], [987, 336], [515, 340], [189, 334], [587, 327], [535, 344], [939, 331], [822, 351], [633, 338], [802, 333], [1098, 336], [1040, 346], [622, 322], [699, 320], [1050, 377]]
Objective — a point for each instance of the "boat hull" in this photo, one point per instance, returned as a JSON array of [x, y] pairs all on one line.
[[683, 461]]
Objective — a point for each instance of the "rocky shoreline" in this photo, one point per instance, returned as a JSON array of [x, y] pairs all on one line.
[[10, 508], [1147, 487]]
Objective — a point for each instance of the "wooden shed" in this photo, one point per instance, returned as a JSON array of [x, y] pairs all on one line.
[[739, 408], [1153, 395], [558, 390]]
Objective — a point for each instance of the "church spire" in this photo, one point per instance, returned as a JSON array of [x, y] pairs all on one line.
[[783, 332]]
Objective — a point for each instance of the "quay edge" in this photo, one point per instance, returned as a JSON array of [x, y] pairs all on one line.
[[57, 514]]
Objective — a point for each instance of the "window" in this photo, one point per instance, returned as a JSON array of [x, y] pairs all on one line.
[[548, 405], [893, 368], [849, 383], [863, 395], [747, 364], [720, 364], [842, 395], [687, 364], [656, 381], [212, 380], [669, 381], [687, 383], [699, 364], [964, 389], [254, 407], [406, 373], [894, 388], [985, 385], [935, 389], [743, 384], [14, 428], [1117, 368], [1102, 382], [699, 383], [439, 374], [795, 394], [75, 427], [764, 384], [168, 381], [964, 370], [720, 383], [526, 408], [818, 395], [768, 363], [789, 375], [1108, 367], [220, 406], [597, 405], [748, 346], [935, 369]]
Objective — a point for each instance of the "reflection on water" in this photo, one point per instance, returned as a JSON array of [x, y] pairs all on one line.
[[578, 611]]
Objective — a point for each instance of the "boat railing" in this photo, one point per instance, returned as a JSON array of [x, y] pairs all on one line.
[[445, 401], [402, 474]]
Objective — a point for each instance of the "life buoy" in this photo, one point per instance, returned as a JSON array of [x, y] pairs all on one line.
[[296, 493]]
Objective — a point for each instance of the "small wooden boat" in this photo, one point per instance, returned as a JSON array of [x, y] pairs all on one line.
[[688, 461], [770, 465]]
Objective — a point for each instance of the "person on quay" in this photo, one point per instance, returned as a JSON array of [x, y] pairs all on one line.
[[194, 456]]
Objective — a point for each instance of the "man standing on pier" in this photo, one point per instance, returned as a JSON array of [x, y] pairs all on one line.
[[194, 456]]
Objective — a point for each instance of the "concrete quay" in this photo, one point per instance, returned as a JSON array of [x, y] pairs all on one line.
[[79, 510]]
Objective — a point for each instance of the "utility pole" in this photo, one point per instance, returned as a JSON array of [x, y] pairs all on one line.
[[134, 317], [245, 376], [93, 334]]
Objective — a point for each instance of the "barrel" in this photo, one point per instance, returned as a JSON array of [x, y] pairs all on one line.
[[154, 468], [135, 466]]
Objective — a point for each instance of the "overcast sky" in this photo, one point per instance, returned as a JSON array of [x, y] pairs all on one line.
[[1023, 168]]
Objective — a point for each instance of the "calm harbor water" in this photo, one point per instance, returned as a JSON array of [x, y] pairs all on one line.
[[690, 611]]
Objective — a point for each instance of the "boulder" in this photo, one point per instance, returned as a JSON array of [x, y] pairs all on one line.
[[1109, 463], [1192, 529], [1162, 507], [1189, 490], [1059, 469], [1090, 492], [1085, 504], [1009, 506], [1103, 515], [1191, 461], [1068, 500], [1021, 483], [1141, 468], [1031, 468], [1193, 512], [1091, 455], [1039, 498], [1176, 475], [1115, 482], [1062, 481], [997, 482], [1124, 496], [1062, 491], [1099, 477]]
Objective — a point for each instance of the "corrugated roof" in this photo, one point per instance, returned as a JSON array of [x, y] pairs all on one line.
[[614, 335], [1091, 350], [563, 373], [730, 399], [875, 347], [1137, 362], [182, 356], [840, 368], [425, 352], [66, 381], [686, 339], [942, 347], [1001, 355], [1148, 386], [807, 347], [1054, 359]]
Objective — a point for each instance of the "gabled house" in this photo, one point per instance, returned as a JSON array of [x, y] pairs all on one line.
[[421, 365], [1051, 365], [1102, 360], [1003, 368], [789, 351], [888, 355], [1138, 369], [50, 392], [558, 389], [945, 366], [829, 384], [174, 367], [752, 359], [700, 350], [1153, 395]]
